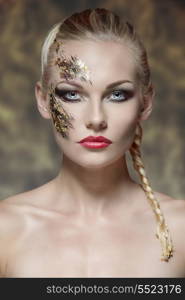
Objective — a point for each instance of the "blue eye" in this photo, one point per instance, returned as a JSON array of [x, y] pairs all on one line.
[[118, 95], [121, 95], [66, 95], [71, 95]]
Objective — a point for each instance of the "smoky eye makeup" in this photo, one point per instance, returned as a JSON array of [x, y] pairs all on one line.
[[67, 94], [120, 94], [74, 93]]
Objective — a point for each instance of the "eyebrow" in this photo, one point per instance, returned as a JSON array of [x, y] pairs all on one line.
[[109, 86]]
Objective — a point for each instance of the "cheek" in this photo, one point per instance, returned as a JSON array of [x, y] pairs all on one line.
[[125, 120], [122, 121]]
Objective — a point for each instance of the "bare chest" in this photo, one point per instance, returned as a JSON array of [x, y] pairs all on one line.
[[90, 252]]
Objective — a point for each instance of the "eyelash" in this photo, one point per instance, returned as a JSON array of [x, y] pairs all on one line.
[[61, 94]]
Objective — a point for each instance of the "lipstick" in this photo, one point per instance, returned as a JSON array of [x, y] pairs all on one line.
[[95, 142]]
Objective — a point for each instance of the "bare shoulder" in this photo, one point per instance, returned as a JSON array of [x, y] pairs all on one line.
[[12, 215], [17, 215], [174, 214], [31, 197], [8, 215], [173, 207], [11, 224], [15, 210]]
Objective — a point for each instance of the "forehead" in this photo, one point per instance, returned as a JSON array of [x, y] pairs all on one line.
[[106, 60]]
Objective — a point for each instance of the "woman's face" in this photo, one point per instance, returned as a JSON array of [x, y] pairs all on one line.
[[109, 94]]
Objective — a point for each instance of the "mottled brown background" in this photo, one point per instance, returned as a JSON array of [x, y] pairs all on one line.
[[28, 153]]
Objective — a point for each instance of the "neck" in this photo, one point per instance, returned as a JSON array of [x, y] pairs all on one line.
[[90, 190]]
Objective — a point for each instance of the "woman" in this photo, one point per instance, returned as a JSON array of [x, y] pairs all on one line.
[[93, 219]]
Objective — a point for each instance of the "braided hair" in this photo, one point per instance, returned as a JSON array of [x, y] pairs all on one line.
[[162, 229]]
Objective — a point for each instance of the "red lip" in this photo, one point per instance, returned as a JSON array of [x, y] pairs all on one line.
[[97, 139]]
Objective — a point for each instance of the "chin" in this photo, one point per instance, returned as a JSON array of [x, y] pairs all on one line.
[[93, 162]]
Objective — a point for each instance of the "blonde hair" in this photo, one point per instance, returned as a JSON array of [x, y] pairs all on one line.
[[162, 229], [97, 24], [101, 24]]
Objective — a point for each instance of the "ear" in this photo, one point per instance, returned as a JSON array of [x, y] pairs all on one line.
[[147, 105], [42, 101]]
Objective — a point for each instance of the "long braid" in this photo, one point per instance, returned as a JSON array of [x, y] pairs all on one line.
[[162, 229]]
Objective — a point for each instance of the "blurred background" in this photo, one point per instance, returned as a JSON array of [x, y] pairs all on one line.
[[29, 156]]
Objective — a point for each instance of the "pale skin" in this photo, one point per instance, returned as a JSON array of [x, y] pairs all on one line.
[[92, 220]]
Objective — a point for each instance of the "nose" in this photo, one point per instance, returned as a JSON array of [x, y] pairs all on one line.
[[96, 118]]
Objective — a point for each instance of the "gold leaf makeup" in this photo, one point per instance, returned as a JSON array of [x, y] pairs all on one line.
[[60, 117], [70, 68]]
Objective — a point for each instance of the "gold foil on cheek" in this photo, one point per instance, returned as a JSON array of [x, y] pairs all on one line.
[[71, 68], [60, 117]]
